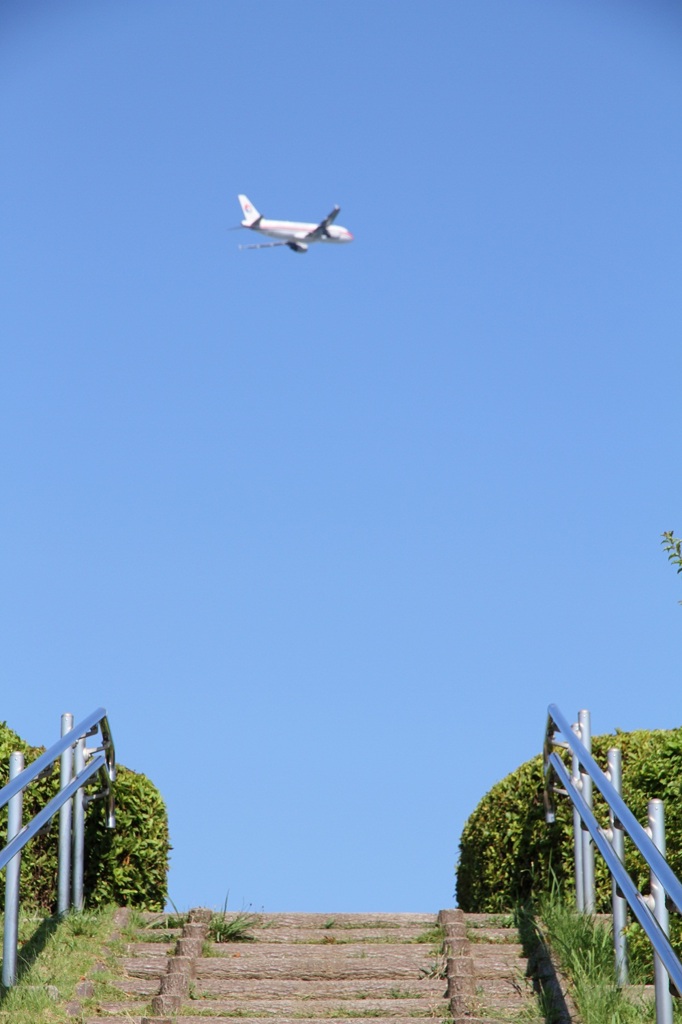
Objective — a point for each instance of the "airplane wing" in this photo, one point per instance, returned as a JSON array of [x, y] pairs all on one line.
[[321, 228], [263, 245], [291, 243]]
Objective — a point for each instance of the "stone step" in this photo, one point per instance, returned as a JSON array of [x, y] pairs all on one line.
[[503, 936], [504, 995], [340, 989], [340, 934], [343, 920], [500, 987], [319, 1008], [507, 952], [150, 950], [125, 1011], [488, 920], [511, 1019], [330, 962], [194, 1019], [142, 988], [145, 966], [124, 1018], [492, 961]]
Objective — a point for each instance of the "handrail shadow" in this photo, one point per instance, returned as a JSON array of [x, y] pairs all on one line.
[[31, 950], [542, 970]]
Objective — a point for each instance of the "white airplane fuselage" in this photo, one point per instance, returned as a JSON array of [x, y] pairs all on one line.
[[295, 234], [299, 231]]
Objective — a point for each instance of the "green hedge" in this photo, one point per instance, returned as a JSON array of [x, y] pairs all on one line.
[[508, 854], [127, 866]]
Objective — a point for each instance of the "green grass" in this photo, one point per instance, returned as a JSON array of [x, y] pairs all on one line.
[[584, 949], [54, 955]]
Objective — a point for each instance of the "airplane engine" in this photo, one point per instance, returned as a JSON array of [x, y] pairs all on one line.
[[298, 246]]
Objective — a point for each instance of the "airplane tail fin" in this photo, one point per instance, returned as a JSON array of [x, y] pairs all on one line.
[[251, 214]]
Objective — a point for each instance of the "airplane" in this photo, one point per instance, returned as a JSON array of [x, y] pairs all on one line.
[[296, 234]]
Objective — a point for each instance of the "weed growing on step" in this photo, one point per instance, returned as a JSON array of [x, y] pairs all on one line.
[[169, 922], [433, 936], [158, 938], [436, 969], [177, 919], [493, 921], [145, 922], [231, 927], [151, 928]]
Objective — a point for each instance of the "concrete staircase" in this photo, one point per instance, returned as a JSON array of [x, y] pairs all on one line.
[[313, 968]]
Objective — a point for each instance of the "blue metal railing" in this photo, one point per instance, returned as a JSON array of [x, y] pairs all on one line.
[[650, 911], [78, 765]]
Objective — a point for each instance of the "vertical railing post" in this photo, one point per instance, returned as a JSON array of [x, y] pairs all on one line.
[[13, 871], [78, 827], [577, 833], [586, 790], [664, 1002], [65, 777], [618, 902]]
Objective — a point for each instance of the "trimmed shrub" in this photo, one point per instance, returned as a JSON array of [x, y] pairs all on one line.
[[508, 855], [127, 866]]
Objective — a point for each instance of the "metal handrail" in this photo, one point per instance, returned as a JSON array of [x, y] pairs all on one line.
[[637, 833], [602, 838], [41, 819], [88, 727], [70, 802]]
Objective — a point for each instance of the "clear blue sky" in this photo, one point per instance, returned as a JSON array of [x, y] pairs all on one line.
[[327, 533]]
